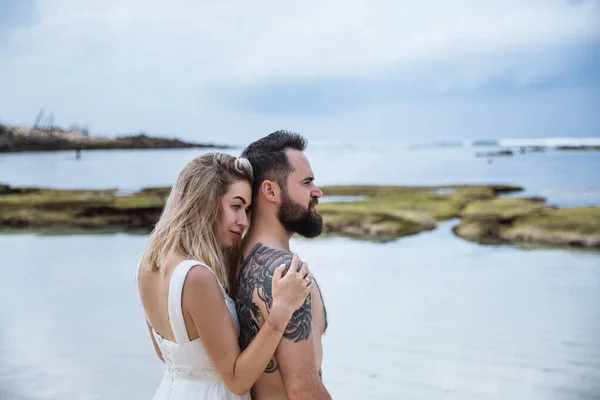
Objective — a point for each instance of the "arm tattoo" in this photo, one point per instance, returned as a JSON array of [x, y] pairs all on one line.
[[256, 275]]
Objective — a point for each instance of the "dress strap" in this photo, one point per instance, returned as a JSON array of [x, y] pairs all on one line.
[[175, 290]]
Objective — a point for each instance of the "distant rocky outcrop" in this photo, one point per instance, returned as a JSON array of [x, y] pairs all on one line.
[[520, 150], [18, 139], [579, 148], [498, 153]]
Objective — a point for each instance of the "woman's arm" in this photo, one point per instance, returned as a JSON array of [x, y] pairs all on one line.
[[203, 300]]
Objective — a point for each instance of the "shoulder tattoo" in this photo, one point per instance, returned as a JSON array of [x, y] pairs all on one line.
[[256, 276]]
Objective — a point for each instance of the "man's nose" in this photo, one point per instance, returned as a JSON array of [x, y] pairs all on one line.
[[317, 193]]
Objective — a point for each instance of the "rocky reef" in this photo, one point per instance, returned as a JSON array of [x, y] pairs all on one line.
[[389, 212], [579, 148], [530, 220], [62, 210], [382, 213]]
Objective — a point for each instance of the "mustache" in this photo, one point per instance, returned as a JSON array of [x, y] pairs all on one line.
[[314, 202]]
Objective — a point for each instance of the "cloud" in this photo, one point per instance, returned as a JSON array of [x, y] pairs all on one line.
[[246, 43], [186, 60], [435, 81]]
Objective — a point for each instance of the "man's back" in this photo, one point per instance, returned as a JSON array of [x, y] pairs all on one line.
[[295, 371]]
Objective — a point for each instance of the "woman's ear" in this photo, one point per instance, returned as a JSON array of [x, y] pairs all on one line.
[[270, 190]]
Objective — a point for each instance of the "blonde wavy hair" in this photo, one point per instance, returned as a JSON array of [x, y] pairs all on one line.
[[191, 219]]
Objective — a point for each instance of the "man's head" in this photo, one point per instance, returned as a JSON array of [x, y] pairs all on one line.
[[284, 182]]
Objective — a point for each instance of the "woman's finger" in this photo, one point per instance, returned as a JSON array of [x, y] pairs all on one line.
[[279, 271], [294, 266], [303, 270], [309, 279]]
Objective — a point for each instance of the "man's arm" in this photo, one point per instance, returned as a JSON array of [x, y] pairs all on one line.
[[296, 358], [295, 355]]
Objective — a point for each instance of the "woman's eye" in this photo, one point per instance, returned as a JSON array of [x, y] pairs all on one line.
[[236, 207]]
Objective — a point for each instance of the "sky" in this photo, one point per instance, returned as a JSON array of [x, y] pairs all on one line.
[[229, 72]]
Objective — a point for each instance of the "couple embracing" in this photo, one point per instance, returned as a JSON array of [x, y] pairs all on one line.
[[231, 311]]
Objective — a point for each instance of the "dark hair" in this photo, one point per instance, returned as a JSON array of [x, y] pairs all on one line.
[[268, 159]]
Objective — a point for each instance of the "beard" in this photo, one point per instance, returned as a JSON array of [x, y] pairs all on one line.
[[299, 219]]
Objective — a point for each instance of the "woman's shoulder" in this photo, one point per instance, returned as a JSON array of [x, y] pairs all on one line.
[[201, 282], [201, 275], [202, 292]]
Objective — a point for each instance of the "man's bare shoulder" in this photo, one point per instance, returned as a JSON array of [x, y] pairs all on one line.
[[264, 257], [253, 291], [256, 272]]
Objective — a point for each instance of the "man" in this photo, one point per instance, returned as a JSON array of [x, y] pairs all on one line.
[[284, 201]]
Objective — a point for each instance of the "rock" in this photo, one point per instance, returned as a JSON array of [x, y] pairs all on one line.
[[579, 148], [530, 220], [35, 208], [478, 230], [532, 149], [503, 209], [500, 153], [575, 227]]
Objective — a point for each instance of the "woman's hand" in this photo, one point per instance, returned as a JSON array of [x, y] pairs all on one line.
[[290, 289]]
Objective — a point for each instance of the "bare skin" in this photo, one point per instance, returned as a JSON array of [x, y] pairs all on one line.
[[295, 371], [205, 312]]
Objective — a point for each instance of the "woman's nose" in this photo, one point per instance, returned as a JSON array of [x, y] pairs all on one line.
[[243, 220]]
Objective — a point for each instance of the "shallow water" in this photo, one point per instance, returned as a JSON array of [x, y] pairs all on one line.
[[565, 178], [423, 317]]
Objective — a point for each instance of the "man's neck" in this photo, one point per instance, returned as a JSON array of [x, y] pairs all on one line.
[[269, 232]]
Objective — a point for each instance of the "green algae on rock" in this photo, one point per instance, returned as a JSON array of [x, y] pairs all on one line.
[[390, 212], [530, 221], [49, 208], [383, 213]]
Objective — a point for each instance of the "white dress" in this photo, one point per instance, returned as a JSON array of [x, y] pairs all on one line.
[[190, 374]]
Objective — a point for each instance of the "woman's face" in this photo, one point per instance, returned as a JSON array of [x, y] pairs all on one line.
[[235, 206]]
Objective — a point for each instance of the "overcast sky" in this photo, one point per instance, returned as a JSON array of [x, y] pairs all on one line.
[[227, 71]]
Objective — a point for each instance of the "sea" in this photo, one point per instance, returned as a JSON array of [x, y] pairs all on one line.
[[429, 316]]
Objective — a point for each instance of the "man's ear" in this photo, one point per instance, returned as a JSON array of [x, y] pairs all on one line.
[[270, 190]]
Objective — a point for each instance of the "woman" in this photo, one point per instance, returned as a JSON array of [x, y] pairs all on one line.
[[183, 284]]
